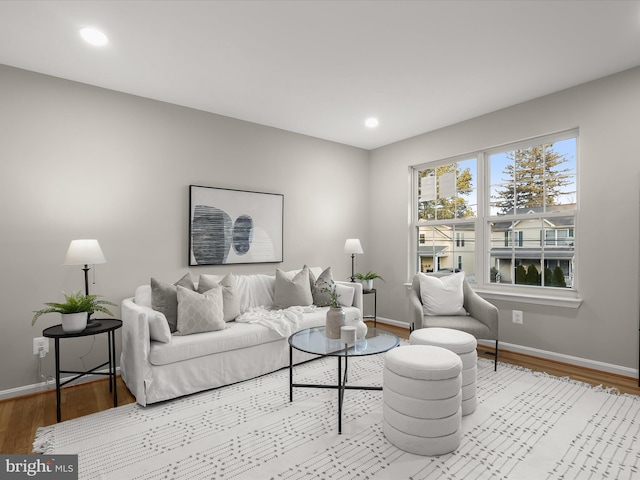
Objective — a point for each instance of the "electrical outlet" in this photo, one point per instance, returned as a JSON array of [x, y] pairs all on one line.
[[40, 344], [517, 316]]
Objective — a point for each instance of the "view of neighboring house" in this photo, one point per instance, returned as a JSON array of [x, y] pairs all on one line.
[[505, 216]]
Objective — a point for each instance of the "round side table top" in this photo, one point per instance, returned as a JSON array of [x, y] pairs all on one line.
[[94, 327]]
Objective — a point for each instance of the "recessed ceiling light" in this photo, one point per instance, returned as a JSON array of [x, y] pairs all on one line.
[[94, 37], [371, 122]]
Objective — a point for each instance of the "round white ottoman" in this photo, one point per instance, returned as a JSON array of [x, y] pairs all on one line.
[[422, 393], [464, 345]]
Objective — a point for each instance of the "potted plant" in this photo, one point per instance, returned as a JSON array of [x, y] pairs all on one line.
[[367, 279], [336, 316], [75, 310]]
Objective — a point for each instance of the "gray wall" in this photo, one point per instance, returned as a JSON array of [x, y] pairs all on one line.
[[84, 162], [605, 328]]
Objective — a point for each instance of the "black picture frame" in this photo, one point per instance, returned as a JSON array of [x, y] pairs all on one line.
[[234, 226]]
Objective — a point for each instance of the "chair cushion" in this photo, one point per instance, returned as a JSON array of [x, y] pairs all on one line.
[[457, 322], [442, 295]]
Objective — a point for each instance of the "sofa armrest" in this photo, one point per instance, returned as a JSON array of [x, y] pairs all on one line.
[[416, 312], [357, 295], [481, 310], [136, 345]]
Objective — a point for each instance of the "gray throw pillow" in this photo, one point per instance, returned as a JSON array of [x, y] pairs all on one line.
[[289, 292], [230, 297], [199, 313], [164, 298], [321, 287]]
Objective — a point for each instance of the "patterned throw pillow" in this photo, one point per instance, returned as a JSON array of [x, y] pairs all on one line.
[[320, 288], [199, 313]]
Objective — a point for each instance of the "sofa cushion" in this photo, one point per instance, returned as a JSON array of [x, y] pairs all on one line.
[[198, 312], [320, 287], [164, 298], [230, 297], [233, 337], [289, 292], [442, 295]]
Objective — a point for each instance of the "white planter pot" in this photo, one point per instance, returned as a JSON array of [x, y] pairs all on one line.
[[336, 319], [74, 322], [367, 285]]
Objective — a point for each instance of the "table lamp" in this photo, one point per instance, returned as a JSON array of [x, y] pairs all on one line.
[[352, 247], [84, 252]]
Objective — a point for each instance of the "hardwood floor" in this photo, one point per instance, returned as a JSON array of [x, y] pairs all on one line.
[[21, 416]]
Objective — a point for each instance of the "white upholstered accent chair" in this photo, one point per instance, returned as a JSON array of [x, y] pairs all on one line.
[[481, 321]]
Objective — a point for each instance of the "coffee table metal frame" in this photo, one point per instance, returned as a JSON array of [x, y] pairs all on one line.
[[314, 340]]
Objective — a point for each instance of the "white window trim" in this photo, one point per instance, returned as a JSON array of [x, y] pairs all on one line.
[[568, 298]]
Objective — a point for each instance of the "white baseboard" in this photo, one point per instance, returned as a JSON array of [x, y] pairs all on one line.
[[42, 386], [534, 352], [562, 358], [390, 321]]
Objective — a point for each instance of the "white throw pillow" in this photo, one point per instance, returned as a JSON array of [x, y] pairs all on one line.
[[158, 326], [345, 294], [292, 292], [442, 295], [199, 312]]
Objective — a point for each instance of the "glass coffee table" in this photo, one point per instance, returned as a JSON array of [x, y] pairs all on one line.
[[314, 340]]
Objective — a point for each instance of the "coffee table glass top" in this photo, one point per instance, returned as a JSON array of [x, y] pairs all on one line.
[[314, 340]]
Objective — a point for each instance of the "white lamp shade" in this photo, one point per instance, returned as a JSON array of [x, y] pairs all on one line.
[[84, 252], [352, 245]]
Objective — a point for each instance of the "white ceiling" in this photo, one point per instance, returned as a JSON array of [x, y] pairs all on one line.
[[321, 68]]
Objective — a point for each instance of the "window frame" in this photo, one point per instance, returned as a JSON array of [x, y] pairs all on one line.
[[565, 297]]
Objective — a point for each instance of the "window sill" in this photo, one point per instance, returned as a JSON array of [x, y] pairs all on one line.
[[519, 297], [553, 301]]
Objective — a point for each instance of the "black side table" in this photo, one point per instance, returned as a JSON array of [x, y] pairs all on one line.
[[375, 308], [95, 327]]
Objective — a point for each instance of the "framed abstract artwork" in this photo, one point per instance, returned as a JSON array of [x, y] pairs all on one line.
[[234, 226]]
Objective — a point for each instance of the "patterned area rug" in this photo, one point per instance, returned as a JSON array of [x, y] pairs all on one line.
[[527, 426]]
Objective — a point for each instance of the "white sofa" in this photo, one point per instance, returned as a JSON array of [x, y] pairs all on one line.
[[155, 370]]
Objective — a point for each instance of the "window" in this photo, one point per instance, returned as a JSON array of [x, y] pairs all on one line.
[[505, 216]]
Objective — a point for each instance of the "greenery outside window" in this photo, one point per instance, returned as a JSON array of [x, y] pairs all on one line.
[[505, 216]]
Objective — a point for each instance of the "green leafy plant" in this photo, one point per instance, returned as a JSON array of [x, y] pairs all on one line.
[[368, 276], [77, 302]]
